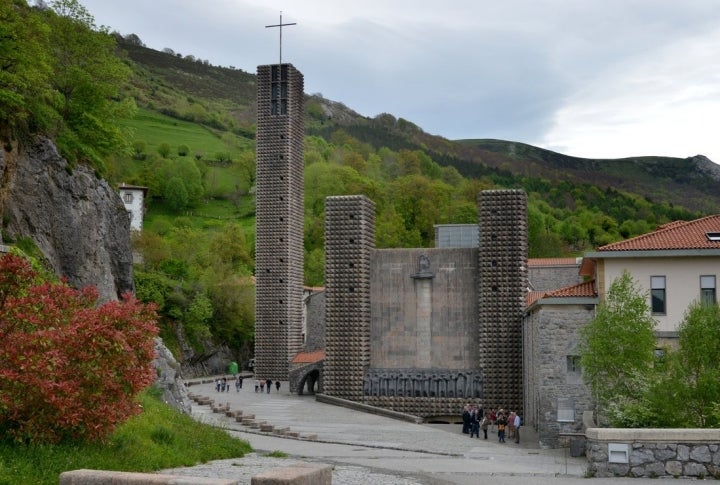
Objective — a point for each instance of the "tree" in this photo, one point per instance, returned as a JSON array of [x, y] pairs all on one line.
[[164, 149], [87, 76], [176, 194], [698, 372], [24, 70], [69, 369], [618, 349]]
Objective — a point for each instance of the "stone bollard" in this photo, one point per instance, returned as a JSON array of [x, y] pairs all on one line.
[[295, 474]]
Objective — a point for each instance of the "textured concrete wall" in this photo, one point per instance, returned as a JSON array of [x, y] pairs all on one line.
[[502, 287], [551, 334], [279, 220], [446, 335], [349, 241]]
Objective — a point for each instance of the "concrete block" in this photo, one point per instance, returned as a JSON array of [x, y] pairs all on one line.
[[105, 477], [296, 474]]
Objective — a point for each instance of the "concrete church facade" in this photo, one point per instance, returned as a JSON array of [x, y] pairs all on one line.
[[420, 331]]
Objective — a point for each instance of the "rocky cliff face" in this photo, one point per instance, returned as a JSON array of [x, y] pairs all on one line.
[[76, 219], [82, 227]]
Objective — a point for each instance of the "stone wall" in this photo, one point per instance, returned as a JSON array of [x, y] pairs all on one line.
[[651, 453], [315, 322], [552, 277], [555, 396]]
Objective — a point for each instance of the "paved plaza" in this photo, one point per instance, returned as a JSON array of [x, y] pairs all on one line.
[[372, 449]]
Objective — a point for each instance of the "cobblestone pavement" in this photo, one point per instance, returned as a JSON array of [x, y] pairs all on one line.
[[370, 449]]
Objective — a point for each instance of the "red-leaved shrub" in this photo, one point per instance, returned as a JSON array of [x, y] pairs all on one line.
[[69, 370]]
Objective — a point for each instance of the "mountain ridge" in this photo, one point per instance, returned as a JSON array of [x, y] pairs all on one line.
[[690, 182]]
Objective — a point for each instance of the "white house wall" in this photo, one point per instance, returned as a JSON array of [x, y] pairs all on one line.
[[682, 281]]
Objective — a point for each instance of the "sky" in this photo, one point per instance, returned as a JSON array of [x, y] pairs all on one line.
[[589, 78]]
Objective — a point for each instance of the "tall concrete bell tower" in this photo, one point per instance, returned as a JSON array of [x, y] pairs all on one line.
[[279, 219]]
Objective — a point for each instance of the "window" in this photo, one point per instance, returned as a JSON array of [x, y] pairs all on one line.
[[565, 409], [279, 90], [707, 290], [573, 364], [574, 370], [657, 294], [128, 197]]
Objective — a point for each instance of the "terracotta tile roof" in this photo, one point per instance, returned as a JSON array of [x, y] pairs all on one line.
[[533, 296], [309, 357], [552, 261], [674, 235], [585, 289]]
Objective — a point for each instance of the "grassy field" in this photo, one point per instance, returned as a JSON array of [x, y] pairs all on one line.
[[159, 438], [223, 182], [154, 128]]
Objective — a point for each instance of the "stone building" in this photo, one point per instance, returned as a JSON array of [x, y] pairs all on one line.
[[133, 196]]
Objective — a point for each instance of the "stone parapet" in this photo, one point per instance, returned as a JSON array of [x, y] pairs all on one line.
[[651, 453]]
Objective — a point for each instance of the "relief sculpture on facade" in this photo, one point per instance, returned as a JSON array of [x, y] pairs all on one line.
[[461, 383]]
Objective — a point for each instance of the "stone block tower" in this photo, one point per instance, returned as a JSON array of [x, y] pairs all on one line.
[[349, 243], [279, 219], [502, 289]]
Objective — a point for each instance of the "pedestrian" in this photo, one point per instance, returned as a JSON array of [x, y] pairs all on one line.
[[517, 428], [217, 384], [484, 425], [474, 423], [277, 386], [501, 423], [466, 419], [511, 425], [257, 385], [268, 383], [262, 385], [238, 383]]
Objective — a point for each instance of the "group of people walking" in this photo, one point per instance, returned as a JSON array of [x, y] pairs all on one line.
[[505, 424], [262, 384], [223, 385]]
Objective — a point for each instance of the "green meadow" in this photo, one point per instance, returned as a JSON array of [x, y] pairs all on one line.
[[155, 128]]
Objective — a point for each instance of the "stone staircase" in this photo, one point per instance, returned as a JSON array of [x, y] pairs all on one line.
[[248, 420]]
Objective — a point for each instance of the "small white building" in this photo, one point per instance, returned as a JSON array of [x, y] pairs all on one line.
[[133, 196]]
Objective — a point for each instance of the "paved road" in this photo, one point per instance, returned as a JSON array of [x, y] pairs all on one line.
[[366, 448]]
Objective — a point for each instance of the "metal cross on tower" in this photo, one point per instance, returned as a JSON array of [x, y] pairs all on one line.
[[280, 25]]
